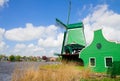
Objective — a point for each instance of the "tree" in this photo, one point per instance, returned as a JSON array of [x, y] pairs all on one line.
[[12, 58], [17, 58], [44, 57], [1, 57], [25, 58], [30, 58], [34, 58]]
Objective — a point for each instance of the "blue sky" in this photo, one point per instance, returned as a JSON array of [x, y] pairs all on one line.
[[27, 27], [44, 12]]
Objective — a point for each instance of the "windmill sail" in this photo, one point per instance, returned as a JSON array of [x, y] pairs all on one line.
[[75, 34]]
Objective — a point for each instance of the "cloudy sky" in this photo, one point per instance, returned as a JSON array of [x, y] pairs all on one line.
[[28, 27]]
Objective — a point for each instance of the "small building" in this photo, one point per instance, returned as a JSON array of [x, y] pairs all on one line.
[[101, 55], [52, 59]]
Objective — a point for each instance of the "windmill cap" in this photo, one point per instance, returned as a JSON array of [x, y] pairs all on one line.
[[75, 25]]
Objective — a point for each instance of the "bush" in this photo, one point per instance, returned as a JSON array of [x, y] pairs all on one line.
[[12, 58]]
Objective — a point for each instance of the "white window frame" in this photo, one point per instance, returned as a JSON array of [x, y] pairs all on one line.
[[105, 60], [90, 62]]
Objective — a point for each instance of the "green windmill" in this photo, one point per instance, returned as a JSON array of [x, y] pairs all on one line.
[[74, 39]]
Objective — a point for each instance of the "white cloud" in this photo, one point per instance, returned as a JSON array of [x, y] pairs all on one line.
[[51, 44], [85, 9], [48, 40], [102, 17], [18, 47], [25, 34], [31, 32], [3, 2], [28, 50], [51, 30], [112, 34], [3, 46], [51, 41], [2, 31]]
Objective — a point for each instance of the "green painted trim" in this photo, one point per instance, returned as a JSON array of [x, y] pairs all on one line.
[[75, 25]]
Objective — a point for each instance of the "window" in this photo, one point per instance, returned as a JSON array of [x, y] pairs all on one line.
[[92, 62], [108, 62]]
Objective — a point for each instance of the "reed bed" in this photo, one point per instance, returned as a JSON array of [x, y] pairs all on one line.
[[55, 72]]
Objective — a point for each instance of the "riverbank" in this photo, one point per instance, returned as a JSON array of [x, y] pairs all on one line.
[[7, 68]]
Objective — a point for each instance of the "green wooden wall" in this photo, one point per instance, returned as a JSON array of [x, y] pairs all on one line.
[[99, 49]]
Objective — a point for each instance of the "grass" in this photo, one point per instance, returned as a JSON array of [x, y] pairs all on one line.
[[56, 72]]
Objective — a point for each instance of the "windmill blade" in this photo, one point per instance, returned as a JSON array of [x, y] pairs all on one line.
[[69, 10], [61, 24]]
